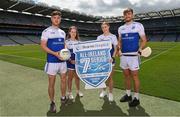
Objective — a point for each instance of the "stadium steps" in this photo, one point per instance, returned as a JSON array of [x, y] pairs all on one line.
[[4, 40], [156, 37], [30, 40], [169, 38], [162, 38], [20, 39], [33, 38], [14, 40], [28, 87], [149, 37], [177, 36]]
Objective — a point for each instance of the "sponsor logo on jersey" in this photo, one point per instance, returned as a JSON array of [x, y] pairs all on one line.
[[52, 32], [133, 27]]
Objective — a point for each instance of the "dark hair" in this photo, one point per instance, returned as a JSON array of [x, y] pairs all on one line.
[[127, 10], [56, 13], [105, 23], [77, 33]]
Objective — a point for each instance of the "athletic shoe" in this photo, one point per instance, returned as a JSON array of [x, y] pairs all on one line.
[[52, 107], [126, 98], [102, 94], [70, 95], [135, 102], [80, 94], [64, 101], [110, 97]]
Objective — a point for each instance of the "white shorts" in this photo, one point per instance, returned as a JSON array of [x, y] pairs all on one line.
[[55, 68], [130, 62]]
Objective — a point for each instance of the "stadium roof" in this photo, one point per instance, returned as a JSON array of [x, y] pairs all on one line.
[[148, 15], [42, 8], [30, 6]]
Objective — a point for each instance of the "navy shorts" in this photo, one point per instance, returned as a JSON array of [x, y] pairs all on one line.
[[70, 65]]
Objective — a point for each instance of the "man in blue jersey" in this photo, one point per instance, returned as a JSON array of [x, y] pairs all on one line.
[[129, 35], [52, 41]]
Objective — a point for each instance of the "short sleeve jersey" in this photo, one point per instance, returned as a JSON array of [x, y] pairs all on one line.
[[130, 35], [55, 38]]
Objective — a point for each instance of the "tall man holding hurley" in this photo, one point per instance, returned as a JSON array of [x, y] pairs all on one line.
[[129, 35]]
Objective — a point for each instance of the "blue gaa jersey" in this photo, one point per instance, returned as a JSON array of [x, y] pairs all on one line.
[[55, 38], [70, 44], [113, 40], [130, 35]]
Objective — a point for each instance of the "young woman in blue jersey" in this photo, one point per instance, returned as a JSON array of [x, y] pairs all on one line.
[[72, 38], [113, 39], [129, 35], [52, 41]]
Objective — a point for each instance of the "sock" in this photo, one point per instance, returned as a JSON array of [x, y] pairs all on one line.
[[52, 102], [128, 92], [136, 95], [63, 97]]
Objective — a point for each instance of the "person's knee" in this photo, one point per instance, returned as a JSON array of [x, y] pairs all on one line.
[[77, 79], [63, 80], [70, 74], [127, 77], [51, 86], [135, 78], [110, 80], [70, 78], [127, 74], [135, 75], [51, 82]]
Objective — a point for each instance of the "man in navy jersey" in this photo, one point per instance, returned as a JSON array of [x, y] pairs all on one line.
[[52, 41], [129, 35]]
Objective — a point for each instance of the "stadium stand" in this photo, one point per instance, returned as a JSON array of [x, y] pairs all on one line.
[[170, 38], [156, 37], [149, 37], [22, 22], [33, 38], [20, 39], [87, 38], [178, 38], [4, 40]]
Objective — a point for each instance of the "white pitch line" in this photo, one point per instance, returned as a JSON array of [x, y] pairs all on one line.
[[157, 55], [24, 52], [117, 70], [151, 57]]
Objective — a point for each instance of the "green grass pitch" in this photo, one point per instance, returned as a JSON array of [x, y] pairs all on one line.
[[23, 90], [159, 74]]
